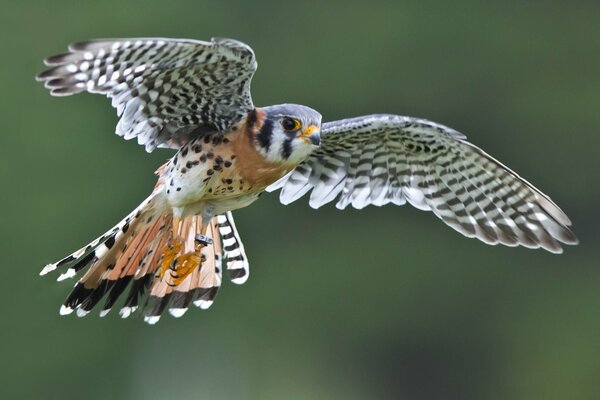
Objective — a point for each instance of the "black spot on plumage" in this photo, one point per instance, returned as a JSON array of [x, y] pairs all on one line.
[[264, 136], [65, 260], [227, 164], [210, 155], [236, 273], [210, 172], [202, 158], [184, 151], [231, 247], [206, 139], [217, 139], [183, 170], [125, 227], [84, 261], [228, 236], [197, 148]]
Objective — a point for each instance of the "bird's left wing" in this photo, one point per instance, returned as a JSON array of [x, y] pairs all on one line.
[[381, 159], [164, 90]]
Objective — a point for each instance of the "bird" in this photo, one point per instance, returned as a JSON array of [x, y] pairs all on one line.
[[194, 97]]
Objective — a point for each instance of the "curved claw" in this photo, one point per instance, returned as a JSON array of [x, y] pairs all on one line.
[[185, 264]]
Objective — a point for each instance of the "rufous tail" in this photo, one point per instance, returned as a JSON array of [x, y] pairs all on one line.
[[162, 269]]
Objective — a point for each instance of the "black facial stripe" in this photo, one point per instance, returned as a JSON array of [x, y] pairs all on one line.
[[287, 148], [251, 119], [264, 136]]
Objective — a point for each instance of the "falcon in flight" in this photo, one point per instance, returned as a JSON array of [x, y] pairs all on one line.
[[194, 96]]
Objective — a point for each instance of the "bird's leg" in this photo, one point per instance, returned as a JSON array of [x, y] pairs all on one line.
[[186, 263], [173, 248]]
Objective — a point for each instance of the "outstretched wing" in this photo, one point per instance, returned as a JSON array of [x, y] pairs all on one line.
[[383, 159], [164, 90]]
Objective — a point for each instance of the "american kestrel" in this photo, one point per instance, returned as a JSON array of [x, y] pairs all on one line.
[[194, 96]]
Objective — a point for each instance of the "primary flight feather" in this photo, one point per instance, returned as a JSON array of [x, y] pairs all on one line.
[[194, 96]]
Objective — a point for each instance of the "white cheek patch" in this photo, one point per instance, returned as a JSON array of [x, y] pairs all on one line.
[[300, 150], [275, 152]]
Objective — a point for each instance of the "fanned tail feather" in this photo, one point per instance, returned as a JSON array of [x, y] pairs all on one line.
[[200, 286], [235, 255], [130, 255]]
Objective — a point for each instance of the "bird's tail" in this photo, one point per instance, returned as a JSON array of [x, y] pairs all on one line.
[[139, 253]]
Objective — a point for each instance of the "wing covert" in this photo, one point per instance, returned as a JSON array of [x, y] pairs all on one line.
[[165, 90], [381, 159]]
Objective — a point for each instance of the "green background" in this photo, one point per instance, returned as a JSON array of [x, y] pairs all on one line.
[[373, 304]]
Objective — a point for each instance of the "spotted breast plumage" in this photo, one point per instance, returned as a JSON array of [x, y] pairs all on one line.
[[194, 96]]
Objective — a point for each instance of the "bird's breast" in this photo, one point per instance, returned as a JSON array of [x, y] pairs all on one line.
[[217, 168]]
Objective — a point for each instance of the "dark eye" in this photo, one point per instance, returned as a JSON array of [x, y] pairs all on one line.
[[290, 124]]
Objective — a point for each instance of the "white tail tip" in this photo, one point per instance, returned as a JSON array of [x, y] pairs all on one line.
[[47, 268], [152, 319], [69, 274], [81, 312], [64, 310], [177, 312], [203, 304], [126, 311]]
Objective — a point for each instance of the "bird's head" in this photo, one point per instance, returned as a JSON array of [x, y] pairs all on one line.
[[289, 133]]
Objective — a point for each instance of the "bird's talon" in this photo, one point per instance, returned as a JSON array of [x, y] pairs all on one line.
[[170, 252]]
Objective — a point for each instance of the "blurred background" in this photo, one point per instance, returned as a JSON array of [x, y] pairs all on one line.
[[383, 303]]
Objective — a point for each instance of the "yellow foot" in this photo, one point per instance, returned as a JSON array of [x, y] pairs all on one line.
[[170, 251], [185, 264]]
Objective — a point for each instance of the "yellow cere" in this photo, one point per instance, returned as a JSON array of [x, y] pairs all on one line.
[[309, 131]]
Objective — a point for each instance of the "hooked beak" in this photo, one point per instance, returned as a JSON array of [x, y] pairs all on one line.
[[311, 135]]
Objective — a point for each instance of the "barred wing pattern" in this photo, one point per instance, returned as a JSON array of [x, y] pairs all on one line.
[[164, 90], [383, 159]]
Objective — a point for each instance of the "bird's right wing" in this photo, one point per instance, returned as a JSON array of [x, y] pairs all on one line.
[[381, 159], [164, 90]]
